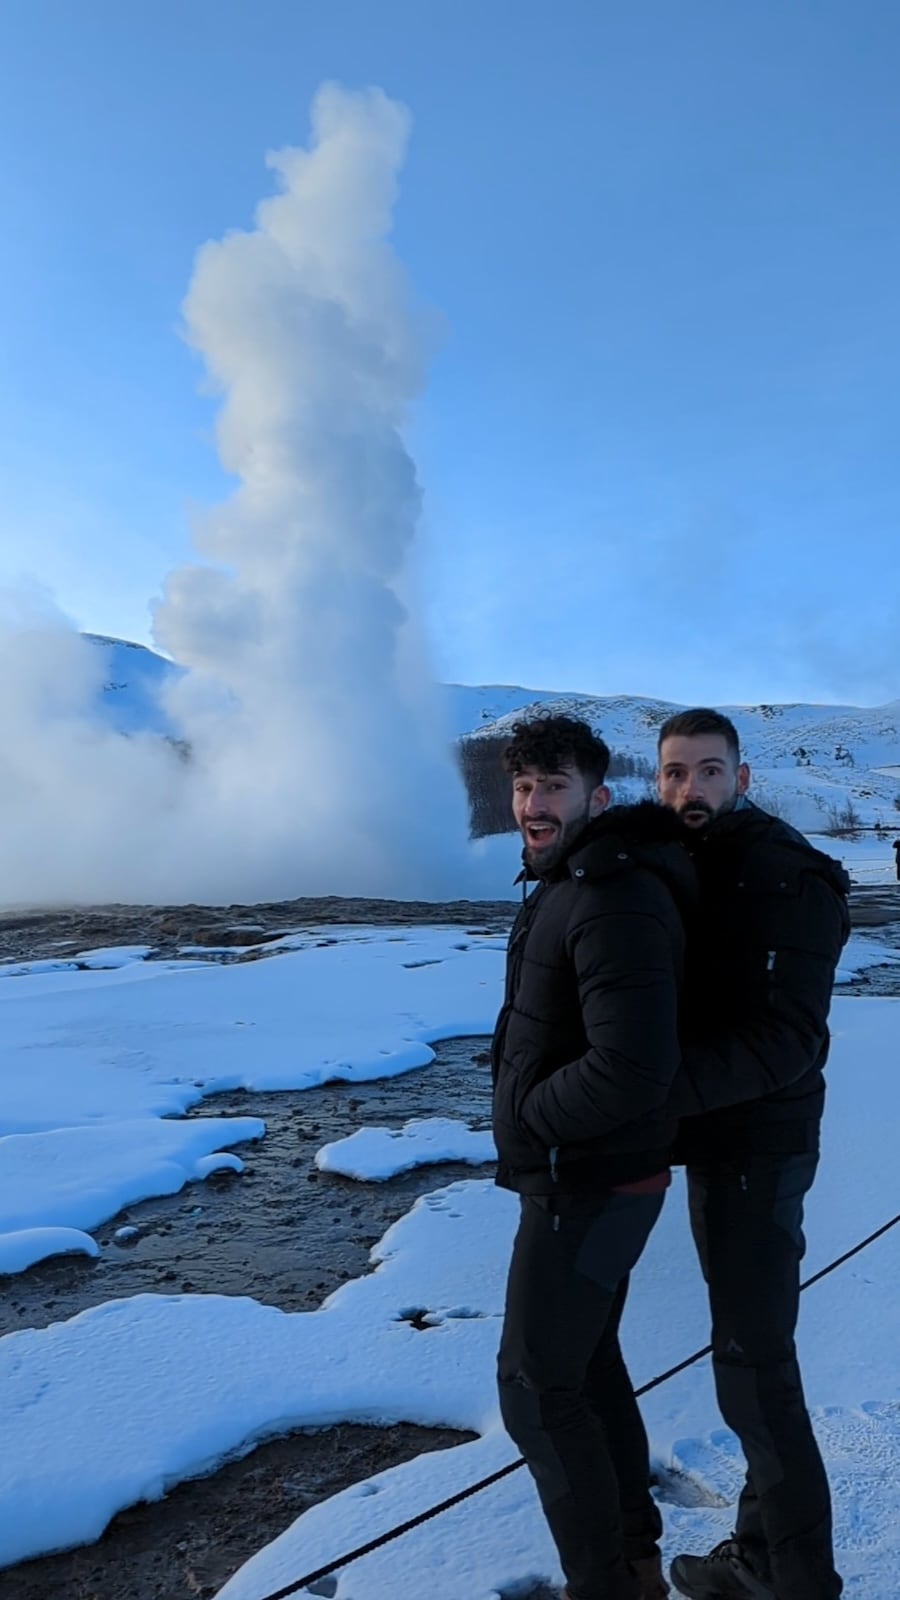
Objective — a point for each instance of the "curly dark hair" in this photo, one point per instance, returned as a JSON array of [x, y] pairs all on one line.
[[701, 719], [551, 742]]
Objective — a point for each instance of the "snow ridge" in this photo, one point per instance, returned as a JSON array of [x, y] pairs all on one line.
[[809, 761]]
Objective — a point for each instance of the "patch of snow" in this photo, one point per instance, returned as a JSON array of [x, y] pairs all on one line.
[[864, 951], [23, 1248], [150, 1040], [375, 1154]]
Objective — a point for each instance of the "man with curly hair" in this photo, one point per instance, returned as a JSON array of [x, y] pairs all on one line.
[[584, 1055]]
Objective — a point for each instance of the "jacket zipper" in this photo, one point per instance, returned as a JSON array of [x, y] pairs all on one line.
[[554, 1174]]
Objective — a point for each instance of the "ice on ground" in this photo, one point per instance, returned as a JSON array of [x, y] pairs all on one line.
[[862, 952], [124, 1400], [374, 1154], [120, 955], [22, 1249], [121, 1401], [82, 1047], [130, 1047], [74, 1178], [497, 1543]]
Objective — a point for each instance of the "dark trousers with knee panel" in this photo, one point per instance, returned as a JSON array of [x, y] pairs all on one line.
[[565, 1395], [747, 1221]]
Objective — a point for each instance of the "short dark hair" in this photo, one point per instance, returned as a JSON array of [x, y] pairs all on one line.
[[701, 719], [551, 742]]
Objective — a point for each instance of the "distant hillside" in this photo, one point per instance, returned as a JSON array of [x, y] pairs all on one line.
[[135, 676], [811, 763], [468, 710], [814, 765], [133, 680]]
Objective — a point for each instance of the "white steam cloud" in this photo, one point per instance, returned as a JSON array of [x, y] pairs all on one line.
[[317, 762]]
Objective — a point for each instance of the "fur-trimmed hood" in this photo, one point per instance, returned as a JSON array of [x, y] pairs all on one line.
[[646, 835]]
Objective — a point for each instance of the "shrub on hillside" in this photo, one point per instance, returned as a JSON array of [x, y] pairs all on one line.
[[844, 821]]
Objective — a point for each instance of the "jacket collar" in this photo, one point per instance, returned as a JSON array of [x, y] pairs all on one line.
[[645, 823]]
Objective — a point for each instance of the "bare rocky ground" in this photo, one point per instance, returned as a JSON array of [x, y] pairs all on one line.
[[32, 934], [281, 1231]]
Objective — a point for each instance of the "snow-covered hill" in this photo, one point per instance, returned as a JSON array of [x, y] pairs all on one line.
[[469, 709], [134, 678], [809, 761]]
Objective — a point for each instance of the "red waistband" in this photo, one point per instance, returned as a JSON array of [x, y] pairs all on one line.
[[656, 1185]]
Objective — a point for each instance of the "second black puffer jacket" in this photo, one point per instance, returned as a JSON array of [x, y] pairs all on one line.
[[586, 1046], [760, 970]]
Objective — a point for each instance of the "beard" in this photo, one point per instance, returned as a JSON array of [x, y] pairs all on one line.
[[544, 858], [697, 808]]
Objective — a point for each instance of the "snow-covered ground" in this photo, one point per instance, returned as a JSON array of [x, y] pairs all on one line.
[[125, 1399], [97, 1062], [375, 1154]]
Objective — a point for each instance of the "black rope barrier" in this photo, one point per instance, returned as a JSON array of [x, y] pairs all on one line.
[[513, 1466]]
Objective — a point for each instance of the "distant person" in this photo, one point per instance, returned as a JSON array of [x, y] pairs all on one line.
[[760, 969], [585, 1044], [896, 850]]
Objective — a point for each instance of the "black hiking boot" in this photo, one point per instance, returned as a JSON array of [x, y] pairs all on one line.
[[725, 1574]]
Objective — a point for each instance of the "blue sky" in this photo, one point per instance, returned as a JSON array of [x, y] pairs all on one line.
[[659, 442]]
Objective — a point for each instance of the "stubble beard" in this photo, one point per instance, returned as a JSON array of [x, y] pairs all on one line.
[[545, 860]]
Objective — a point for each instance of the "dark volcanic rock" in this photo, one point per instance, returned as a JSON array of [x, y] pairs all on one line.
[[33, 934]]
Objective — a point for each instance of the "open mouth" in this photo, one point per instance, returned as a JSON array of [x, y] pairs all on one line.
[[694, 816], [540, 834]]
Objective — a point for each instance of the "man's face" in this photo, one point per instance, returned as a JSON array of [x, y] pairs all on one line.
[[699, 777], [551, 809]]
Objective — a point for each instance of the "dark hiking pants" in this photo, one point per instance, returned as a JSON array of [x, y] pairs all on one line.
[[565, 1395], [747, 1221]]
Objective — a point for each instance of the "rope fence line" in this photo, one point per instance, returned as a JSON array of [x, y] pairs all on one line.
[[461, 1495]]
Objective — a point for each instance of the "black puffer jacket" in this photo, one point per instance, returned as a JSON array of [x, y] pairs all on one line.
[[586, 1047], [760, 968]]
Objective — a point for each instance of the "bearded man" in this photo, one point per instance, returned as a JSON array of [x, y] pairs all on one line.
[[584, 1055], [761, 959]]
